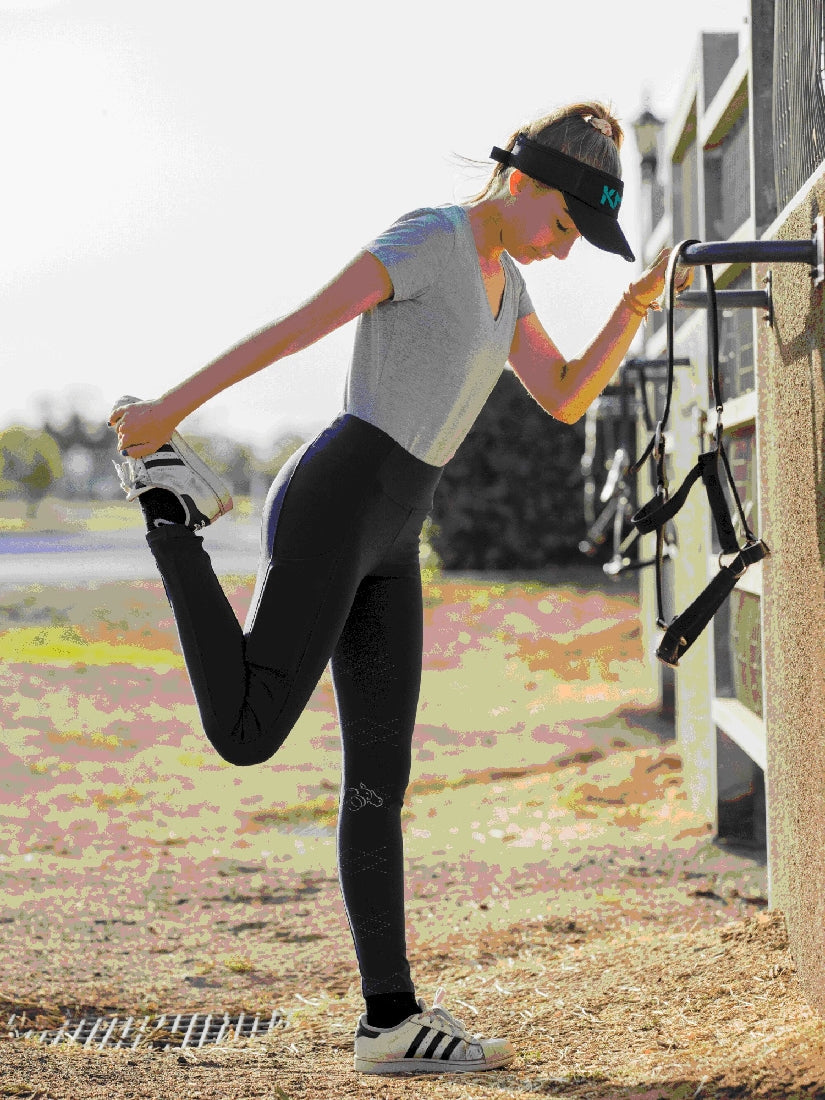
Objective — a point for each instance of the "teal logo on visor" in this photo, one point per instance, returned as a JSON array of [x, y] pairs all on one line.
[[611, 196]]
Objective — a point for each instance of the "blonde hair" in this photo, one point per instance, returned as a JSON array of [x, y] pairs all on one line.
[[569, 130]]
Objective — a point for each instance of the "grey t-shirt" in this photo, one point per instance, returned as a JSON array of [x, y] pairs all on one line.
[[426, 360]]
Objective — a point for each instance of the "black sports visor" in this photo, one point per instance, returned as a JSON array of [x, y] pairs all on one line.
[[593, 197]]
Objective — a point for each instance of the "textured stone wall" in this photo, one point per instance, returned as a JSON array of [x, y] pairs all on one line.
[[792, 483]]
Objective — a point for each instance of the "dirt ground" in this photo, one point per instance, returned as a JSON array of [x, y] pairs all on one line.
[[559, 888], [662, 996]]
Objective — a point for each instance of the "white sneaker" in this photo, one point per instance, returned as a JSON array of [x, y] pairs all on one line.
[[431, 1041], [176, 468]]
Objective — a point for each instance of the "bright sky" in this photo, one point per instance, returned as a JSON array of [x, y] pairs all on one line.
[[177, 173]]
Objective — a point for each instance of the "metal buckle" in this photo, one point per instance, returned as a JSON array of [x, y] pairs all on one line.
[[658, 442], [719, 429], [743, 570]]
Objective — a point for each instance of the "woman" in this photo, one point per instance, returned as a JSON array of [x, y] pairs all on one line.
[[442, 307]]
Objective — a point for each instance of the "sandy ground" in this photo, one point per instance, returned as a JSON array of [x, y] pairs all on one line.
[[559, 889]]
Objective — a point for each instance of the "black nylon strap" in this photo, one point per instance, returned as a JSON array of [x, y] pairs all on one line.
[[659, 571], [717, 502], [686, 628], [617, 494], [671, 312], [653, 516], [648, 421], [657, 512], [749, 535]]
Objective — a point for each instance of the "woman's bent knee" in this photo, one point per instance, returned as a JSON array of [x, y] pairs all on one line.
[[254, 733], [246, 743], [240, 754]]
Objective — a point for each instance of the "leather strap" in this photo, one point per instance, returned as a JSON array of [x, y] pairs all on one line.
[[685, 628]]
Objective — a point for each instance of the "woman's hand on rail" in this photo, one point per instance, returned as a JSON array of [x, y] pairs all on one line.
[[649, 289]]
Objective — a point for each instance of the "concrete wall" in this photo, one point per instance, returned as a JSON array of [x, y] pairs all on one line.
[[791, 395], [726, 741]]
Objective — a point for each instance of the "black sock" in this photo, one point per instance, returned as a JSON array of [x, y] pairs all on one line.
[[160, 504], [389, 1009]]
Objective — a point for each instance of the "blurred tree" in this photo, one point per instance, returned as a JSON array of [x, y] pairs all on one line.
[[511, 498], [248, 472], [283, 447], [87, 448], [30, 464], [228, 458]]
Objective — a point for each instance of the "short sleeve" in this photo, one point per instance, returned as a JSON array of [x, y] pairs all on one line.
[[525, 304], [414, 250]]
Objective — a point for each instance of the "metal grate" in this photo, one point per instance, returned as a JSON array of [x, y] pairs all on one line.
[[727, 181], [736, 349], [736, 177], [686, 220], [686, 195], [798, 94], [167, 1032], [740, 444]]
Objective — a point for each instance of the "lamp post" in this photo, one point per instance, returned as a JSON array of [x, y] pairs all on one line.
[[647, 128]]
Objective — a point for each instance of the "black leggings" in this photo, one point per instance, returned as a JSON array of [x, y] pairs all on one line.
[[338, 579]]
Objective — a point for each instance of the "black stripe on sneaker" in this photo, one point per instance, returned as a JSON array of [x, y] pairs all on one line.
[[417, 1041], [450, 1047], [150, 462], [431, 1049]]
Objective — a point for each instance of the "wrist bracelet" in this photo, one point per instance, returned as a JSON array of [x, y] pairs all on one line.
[[634, 305]]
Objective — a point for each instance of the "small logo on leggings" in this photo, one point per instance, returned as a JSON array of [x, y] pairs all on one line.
[[359, 797]]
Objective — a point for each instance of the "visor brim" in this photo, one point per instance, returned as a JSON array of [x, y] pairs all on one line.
[[599, 229]]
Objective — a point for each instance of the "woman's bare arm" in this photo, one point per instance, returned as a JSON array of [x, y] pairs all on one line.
[[564, 388], [361, 286]]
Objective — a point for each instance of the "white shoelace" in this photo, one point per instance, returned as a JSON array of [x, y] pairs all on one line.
[[129, 472], [454, 1026]]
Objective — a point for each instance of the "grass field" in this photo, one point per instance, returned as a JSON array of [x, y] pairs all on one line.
[[56, 514], [103, 750]]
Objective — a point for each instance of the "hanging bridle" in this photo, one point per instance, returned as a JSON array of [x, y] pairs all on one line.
[[685, 628], [617, 493]]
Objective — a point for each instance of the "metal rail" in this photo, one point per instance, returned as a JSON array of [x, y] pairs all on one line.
[[643, 364], [810, 252], [750, 252], [726, 299]]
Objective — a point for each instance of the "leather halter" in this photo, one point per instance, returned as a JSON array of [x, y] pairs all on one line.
[[683, 630]]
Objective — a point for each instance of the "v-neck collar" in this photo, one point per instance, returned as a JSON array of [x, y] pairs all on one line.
[[494, 319]]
